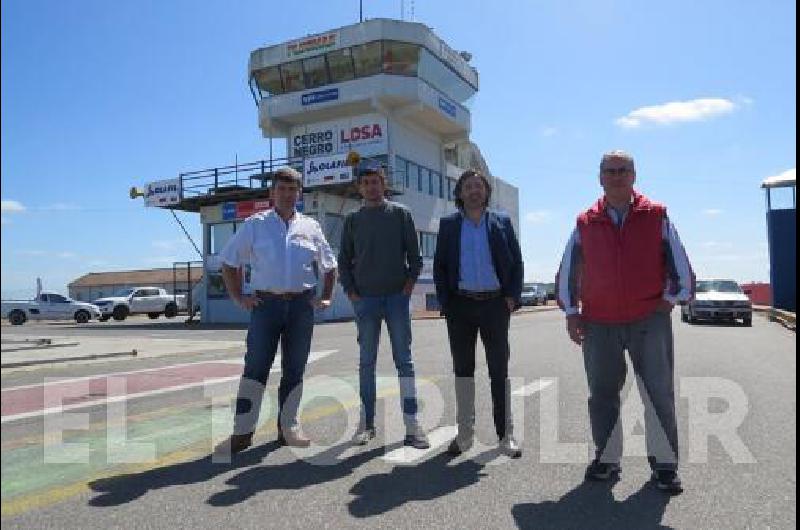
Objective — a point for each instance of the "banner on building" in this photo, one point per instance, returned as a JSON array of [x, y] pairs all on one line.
[[366, 134], [163, 193], [235, 211], [327, 170], [313, 45]]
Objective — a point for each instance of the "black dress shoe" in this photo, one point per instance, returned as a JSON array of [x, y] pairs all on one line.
[[510, 447], [236, 443], [458, 446]]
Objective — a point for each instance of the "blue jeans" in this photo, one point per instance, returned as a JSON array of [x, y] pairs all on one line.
[[394, 309], [290, 322]]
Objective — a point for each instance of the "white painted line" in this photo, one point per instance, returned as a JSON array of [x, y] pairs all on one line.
[[315, 356], [115, 399], [408, 455], [532, 388]]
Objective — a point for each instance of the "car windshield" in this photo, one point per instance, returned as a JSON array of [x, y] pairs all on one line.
[[124, 292], [719, 286]]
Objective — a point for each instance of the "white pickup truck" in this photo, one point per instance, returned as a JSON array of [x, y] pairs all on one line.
[[150, 301], [49, 306]]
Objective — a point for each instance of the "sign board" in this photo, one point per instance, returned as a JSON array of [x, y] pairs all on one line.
[[326, 170], [330, 94], [163, 193], [313, 45], [448, 107], [367, 134], [234, 211]]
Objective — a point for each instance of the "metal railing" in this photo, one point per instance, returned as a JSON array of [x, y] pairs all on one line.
[[250, 175]]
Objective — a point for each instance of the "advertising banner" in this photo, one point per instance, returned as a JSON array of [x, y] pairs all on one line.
[[326, 170], [163, 192], [367, 134]]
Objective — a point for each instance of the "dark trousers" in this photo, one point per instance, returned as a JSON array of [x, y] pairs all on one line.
[[466, 318], [273, 321]]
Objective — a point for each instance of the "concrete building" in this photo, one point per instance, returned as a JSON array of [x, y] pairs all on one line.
[[96, 285], [389, 90]]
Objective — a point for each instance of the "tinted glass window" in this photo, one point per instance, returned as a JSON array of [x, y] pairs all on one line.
[[400, 58], [292, 75], [367, 58], [316, 71], [340, 64], [268, 80]]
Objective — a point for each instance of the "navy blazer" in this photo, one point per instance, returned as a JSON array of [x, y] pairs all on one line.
[[504, 246]]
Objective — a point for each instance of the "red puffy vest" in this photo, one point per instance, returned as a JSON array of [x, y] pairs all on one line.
[[624, 270]]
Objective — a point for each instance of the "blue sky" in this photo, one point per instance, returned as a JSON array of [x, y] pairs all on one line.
[[98, 96]]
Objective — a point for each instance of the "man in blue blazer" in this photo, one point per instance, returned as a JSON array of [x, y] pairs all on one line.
[[478, 274]]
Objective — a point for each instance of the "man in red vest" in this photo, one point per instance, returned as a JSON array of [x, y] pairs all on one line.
[[623, 271]]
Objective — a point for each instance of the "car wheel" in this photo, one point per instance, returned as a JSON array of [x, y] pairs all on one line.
[[153, 316], [120, 312], [82, 317], [17, 317], [171, 310], [748, 321]]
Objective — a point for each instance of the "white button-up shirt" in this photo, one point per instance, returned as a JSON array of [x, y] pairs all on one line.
[[281, 255]]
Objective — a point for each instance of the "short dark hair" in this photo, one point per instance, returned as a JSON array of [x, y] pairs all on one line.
[[369, 167], [460, 183], [287, 174]]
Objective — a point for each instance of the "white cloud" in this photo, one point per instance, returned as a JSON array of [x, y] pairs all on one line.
[[549, 131], [33, 252], [161, 260], [61, 207], [97, 262], [677, 112], [170, 244], [715, 245], [44, 253], [538, 216], [712, 212], [11, 207]]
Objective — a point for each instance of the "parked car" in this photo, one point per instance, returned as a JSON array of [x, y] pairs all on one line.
[[718, 300], [533, 295], [48, 306], [150, 301]]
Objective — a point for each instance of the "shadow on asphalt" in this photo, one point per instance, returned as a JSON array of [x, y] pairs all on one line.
[[592, 505], [378, 494], [123, 489]]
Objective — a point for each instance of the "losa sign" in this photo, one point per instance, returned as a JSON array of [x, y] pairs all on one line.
[[162, 193], [366, 134]]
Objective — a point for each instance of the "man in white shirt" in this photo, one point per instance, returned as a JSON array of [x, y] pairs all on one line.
[[282, 247]]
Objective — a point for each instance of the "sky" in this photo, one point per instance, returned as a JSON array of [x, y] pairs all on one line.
[[100, 96]]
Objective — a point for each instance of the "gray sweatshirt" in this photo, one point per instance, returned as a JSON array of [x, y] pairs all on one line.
[[379, 250]]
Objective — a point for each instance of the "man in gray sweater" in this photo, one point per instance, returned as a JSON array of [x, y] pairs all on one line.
[[379, 262]]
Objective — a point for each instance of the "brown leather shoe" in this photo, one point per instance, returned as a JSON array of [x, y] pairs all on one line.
[[293, 438], [236, 443]]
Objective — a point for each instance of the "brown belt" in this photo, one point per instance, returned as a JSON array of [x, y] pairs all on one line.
[[480, 295], [282, 296]]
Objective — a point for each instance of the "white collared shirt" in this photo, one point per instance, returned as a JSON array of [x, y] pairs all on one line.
[[281, 255]]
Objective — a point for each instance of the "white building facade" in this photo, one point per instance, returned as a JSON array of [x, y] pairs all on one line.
[[389, 90]]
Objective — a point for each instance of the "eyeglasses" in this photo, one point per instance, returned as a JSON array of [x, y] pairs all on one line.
[[615, 170]]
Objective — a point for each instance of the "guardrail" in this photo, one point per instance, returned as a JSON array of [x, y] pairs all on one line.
[[786, 318]]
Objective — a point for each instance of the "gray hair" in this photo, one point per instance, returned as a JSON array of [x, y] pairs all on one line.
[[617, 154]]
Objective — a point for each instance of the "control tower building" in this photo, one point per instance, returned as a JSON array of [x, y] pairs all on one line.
[[390, 90]]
